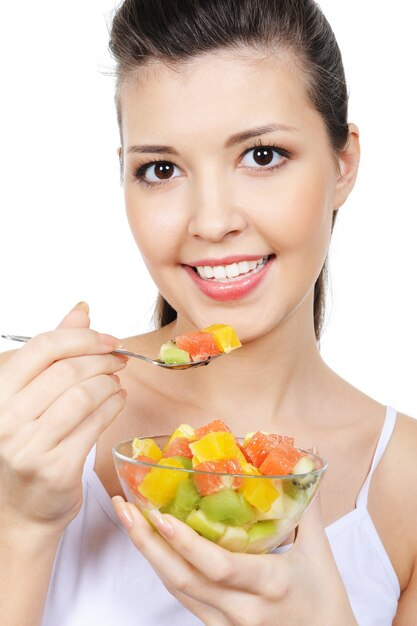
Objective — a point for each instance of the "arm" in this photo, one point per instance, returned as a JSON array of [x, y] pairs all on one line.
[[27, 558], [57, 395]]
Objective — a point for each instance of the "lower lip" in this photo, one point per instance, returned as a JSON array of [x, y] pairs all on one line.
[[229, 291]]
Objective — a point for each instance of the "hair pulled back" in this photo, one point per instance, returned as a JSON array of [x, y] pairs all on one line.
[[174, 31]]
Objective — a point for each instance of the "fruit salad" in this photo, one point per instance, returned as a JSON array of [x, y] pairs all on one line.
[[244, 494], [198, 346]]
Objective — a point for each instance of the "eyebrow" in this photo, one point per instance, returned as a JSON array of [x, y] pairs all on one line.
[[232, 141]]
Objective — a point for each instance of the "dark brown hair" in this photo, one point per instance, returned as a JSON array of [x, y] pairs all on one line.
[[174, 31]]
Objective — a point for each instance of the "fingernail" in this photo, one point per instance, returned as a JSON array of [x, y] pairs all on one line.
[[109, 340], [122, 393], [83, 306], [123, 513], [161, 523], [115, 377]]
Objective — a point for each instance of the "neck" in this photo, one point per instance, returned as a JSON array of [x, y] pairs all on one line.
[[272, 383]]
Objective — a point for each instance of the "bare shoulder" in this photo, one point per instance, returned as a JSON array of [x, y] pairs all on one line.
[[393, 498]]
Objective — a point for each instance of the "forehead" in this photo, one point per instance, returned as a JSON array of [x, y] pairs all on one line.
[[215, 92]]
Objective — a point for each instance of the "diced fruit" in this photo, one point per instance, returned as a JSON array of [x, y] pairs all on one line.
[[160, 484], [260, 536], [260, 444], [178, 447], [199, 345], [171, 355], [185, 461], [260, 492], [184, 430], [205, 527], [293, 507], [243, 451], [213, 482], [276, 510], [304, 466], [132, 473], [227, 506], [146, 447], [215, 446], [224, 335], [280, 461], [234, 539], [186, 499], [216, 426]]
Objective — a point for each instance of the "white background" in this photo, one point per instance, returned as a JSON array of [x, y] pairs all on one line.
[[63, 233]]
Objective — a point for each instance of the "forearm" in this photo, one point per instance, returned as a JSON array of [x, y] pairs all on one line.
[[26, 560]]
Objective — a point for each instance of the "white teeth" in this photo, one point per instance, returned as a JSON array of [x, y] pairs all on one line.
[[219, 271], [243, 267], [232, 270], [224, 272]]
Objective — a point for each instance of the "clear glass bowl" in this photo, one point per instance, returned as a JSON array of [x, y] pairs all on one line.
[[248, 513]]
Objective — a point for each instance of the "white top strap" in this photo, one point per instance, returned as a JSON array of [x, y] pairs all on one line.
[[384, 437]]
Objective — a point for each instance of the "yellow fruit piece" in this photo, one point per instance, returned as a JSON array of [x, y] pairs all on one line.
[[215, 446], [248, 468], [146, 447], [160, 485], [182, 431], [260, 492], [224, 335]]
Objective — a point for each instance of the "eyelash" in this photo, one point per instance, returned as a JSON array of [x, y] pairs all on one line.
[[140, 171]]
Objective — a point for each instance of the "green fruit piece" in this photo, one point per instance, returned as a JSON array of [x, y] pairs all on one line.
[[295, 491], [186, 499], [304, 466], [184, 460], [205, 527], [262, 536], [294, 507], [234, 539], [227, 506], [170, 354]]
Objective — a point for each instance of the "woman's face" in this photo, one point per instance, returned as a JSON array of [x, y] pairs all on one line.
[[234, 218]]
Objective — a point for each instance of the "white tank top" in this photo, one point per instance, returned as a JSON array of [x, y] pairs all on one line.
[[100, 578]]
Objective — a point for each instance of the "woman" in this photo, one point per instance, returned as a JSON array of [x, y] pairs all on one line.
[[235, 148]]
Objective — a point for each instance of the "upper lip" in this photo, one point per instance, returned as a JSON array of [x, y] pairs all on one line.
[[227, 260]]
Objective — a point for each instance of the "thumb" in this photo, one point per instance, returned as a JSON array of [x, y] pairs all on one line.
[[77, 317]]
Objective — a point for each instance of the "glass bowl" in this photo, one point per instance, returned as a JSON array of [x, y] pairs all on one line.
[[242, 512]]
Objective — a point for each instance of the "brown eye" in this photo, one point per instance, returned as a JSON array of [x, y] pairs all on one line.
[[163, 171], [264, 157]]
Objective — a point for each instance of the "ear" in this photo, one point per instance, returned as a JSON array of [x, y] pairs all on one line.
[[348, 162]]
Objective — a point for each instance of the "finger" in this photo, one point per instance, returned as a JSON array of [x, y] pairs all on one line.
[[77, 317], [72, 407], [75, 447], [43, 350], [37, 396], [208, 614], [170, 566], [252, 573]]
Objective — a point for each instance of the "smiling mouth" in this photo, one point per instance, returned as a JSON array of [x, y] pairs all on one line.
[[232, 272]]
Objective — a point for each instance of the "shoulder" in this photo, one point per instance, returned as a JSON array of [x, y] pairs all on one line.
[[393, 498]]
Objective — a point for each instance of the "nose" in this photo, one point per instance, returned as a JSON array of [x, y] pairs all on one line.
[[213, 211]]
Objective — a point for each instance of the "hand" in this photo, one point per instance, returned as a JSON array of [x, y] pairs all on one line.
[[57, 394], [223, 588]]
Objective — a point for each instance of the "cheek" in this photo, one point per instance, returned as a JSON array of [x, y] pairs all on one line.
[[156, 225], [295, 211]]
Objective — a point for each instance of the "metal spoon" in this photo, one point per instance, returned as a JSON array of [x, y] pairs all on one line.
[[171, 366]]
